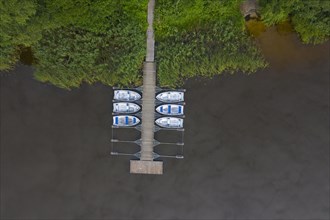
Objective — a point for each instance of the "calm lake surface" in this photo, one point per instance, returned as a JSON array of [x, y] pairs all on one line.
[[256, 147]]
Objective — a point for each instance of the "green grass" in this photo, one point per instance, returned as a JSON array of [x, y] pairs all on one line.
[[202, 38], [104, 41]]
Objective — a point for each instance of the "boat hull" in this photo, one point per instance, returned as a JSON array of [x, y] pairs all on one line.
[[126, 95], [170, 109], [170, 122], [125, 120], [170, 96], [125, 108]]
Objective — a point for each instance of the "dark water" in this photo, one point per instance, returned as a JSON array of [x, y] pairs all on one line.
[[26, 56], [257, 147]]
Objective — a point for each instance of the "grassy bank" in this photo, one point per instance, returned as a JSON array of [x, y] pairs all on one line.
[[76, 41], [104, 41], [202, 38]]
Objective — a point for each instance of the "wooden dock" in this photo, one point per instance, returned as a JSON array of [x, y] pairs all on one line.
[[148, 111], [146, 164]]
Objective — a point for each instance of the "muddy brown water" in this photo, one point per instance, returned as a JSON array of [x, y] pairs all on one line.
[[256, 147]]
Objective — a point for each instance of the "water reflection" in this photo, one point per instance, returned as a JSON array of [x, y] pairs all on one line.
[[284, 28], [26, 56], [256, 27]]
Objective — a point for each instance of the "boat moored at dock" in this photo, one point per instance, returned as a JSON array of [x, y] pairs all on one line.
[[125, 107], [126, 95], [125, 120], [170, 122], [171, 96], [170, 109]]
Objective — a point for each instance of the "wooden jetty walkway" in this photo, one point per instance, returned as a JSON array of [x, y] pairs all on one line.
[[146, 164]]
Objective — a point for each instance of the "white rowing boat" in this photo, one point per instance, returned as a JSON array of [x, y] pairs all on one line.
[[170, 109], [170, 122], [126, 95], [170, 96], [125, 107], [125, 120]]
